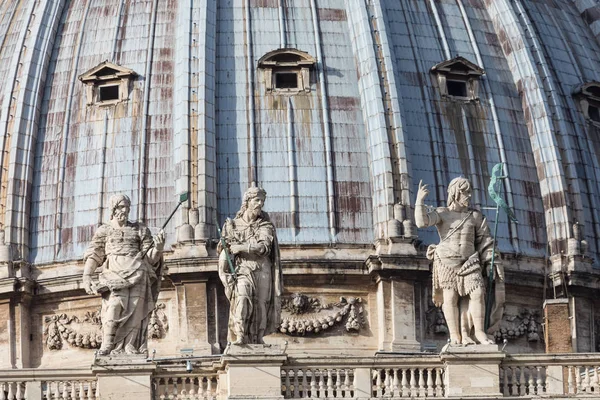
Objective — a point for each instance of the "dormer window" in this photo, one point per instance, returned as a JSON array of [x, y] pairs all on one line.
[[287, 70], [458, 79], [107, 84], [589, 101]]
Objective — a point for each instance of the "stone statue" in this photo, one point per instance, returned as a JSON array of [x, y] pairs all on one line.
[[254, 294], [459, 261], [128, 283]]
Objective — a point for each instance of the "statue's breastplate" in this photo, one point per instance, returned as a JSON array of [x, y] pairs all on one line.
[[123, 241], [461, 243]]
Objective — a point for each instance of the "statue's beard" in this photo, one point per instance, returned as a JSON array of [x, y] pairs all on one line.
[[121, 216], [254, 213]]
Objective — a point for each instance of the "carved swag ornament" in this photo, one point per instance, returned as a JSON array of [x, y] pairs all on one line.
[[349, 309], [86, 332]]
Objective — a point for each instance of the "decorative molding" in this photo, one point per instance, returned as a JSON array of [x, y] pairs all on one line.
[[316, 320], [86, 332], [159, 325], [527, 323]]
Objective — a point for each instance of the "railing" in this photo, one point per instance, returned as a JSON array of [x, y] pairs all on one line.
[[34, 384], [408, 382], [185, 386], [351, 378], [300, 383], [575, 375]]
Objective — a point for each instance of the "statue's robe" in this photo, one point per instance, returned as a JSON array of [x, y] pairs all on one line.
[[259, 280], [126, 281]]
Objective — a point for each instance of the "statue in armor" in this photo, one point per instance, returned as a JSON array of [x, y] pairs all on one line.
[[128, 283], [255, 289], [460, 261]]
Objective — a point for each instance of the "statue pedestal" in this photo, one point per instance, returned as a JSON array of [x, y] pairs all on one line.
[[252, 372], [124, 377], [472, 371]]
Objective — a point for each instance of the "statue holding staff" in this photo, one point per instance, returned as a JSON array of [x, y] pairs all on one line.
[[129, 283], [255, 285], [459, 261]]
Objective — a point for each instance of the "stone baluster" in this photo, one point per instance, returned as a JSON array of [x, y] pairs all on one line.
[[313, 384], [200, 391], [3, 388], [73, 394], [522, 384], [20, 393], [211, 387], [421, 382], [11, 393], [330, 385], [296, 382], [286, 382], [81, 390], [578, 388], [539, 388], [413, 382], [347, 388], [531, 381], [377, 376], [587, 380], [596, 380], [439, 383], [305, 387], [321, 376], [430, 392], [192, 391], [338, 383], [161, 389], [405, 391], [396, 384], [387, 383]]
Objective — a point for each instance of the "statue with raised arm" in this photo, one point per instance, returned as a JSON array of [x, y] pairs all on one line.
[[255, 288], [459, 261], [129, 280]]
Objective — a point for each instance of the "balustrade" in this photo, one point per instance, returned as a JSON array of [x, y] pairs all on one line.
[[300, 383], [407, 382], [198, 387], [523, 380]]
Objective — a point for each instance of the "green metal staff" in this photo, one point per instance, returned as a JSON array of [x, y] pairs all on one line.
[[224, 245], [495, 190], [183, 197]]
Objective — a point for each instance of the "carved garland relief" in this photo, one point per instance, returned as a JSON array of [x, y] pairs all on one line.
[[307, 315], [86, 332]]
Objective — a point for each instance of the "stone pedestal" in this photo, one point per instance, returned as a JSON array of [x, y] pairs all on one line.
[[126, 377], [396, 322], [472, 371], [192, 312], [252, 372]]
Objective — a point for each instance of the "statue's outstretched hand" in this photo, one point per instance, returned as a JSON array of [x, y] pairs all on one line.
[[422, 193], [159, 240]]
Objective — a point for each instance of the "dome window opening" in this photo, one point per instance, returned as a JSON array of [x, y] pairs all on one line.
[[108, 92], [286, 71], [286, 80], [107, 84], [588, 96], [458, 79]]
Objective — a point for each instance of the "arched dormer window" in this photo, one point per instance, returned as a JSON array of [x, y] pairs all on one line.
[[107, 83], [458, 79], [588, 95], [287, 70]]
